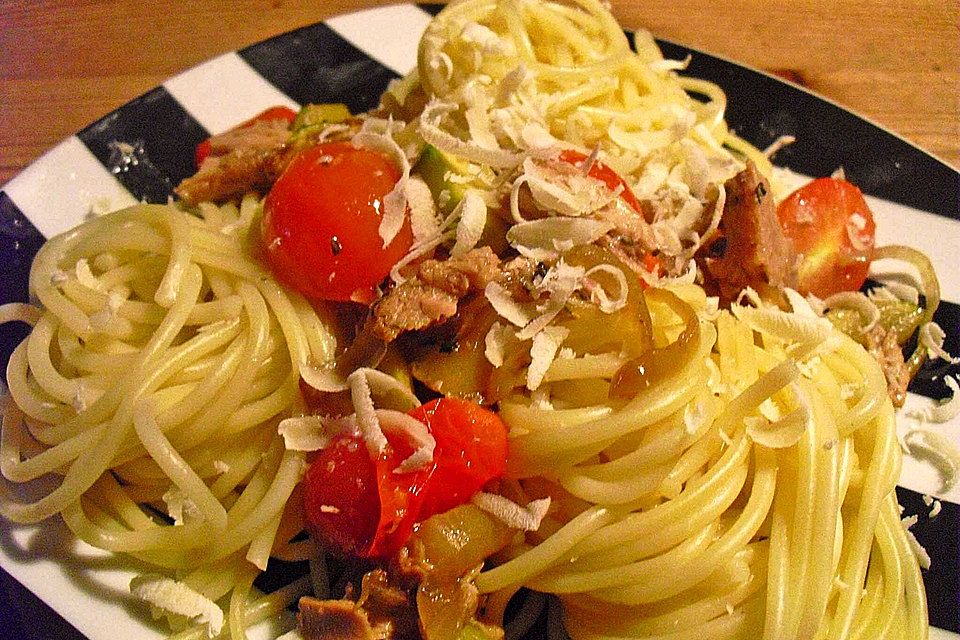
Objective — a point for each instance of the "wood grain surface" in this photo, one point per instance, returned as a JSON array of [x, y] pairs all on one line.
[[65, 63]]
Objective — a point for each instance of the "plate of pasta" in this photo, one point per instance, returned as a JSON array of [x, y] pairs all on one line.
[[518, 326]]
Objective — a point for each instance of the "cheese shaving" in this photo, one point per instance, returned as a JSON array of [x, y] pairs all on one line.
[[560, 282], [496, 342], [395, 202], [510, 513], [433, 134], [786, 431], [504, 304], [545, 232], [304, 433], [790, 328], [424, 221], [941, 412], [367, 420], [178, 598], [179, 506], [935, 449], [85, 275], [473, 218], [932, 337], [935, 511], [599, 295], [416, 435], [544, 349]]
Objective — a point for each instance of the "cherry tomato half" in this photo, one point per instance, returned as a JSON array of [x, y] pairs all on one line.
[[356, 505], [284, 114], [832, 228], [471, 450], [321, 221], [604, 174]]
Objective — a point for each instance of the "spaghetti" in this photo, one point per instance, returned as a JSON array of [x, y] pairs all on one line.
[[156, 376], [711, 474]]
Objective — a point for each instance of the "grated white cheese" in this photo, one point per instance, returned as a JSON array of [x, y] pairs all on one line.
[[395, 202], [416, 435], [546, 232], [935, 511], [560, 282], [932, 336], [473, 218], [510, 513], [424, 222], [221, 466], [504, 304], [304, 433], [367, 420], [85, 275], [600, 297], [496, 342], [935, 449], [544, 349], [178, 598], [941, 412], [179, 506]]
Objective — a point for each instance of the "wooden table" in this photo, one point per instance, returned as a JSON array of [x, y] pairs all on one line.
[[65, 63]]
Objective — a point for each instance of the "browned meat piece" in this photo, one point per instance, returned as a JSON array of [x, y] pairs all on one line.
[[882, 345], [750, 249], [334, 620], [431, 295], [248, 159], [232, 175]]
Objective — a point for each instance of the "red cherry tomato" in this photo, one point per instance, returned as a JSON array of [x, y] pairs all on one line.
[[604, 174], [321, 221], [356, 505], [471, 450], [285, 114], [831, 227]]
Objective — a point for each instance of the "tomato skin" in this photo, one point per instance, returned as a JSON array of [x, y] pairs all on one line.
[[356, 505], [373, 509], [321, 220], [604, 174], [471, 450], [832, 228], [285, 114]]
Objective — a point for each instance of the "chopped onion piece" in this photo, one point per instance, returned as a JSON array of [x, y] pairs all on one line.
[[859, 303], [510, 513], [178, 598]]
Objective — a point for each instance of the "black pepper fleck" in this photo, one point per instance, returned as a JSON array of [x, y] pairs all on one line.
[[335, 245], [760, 191]]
